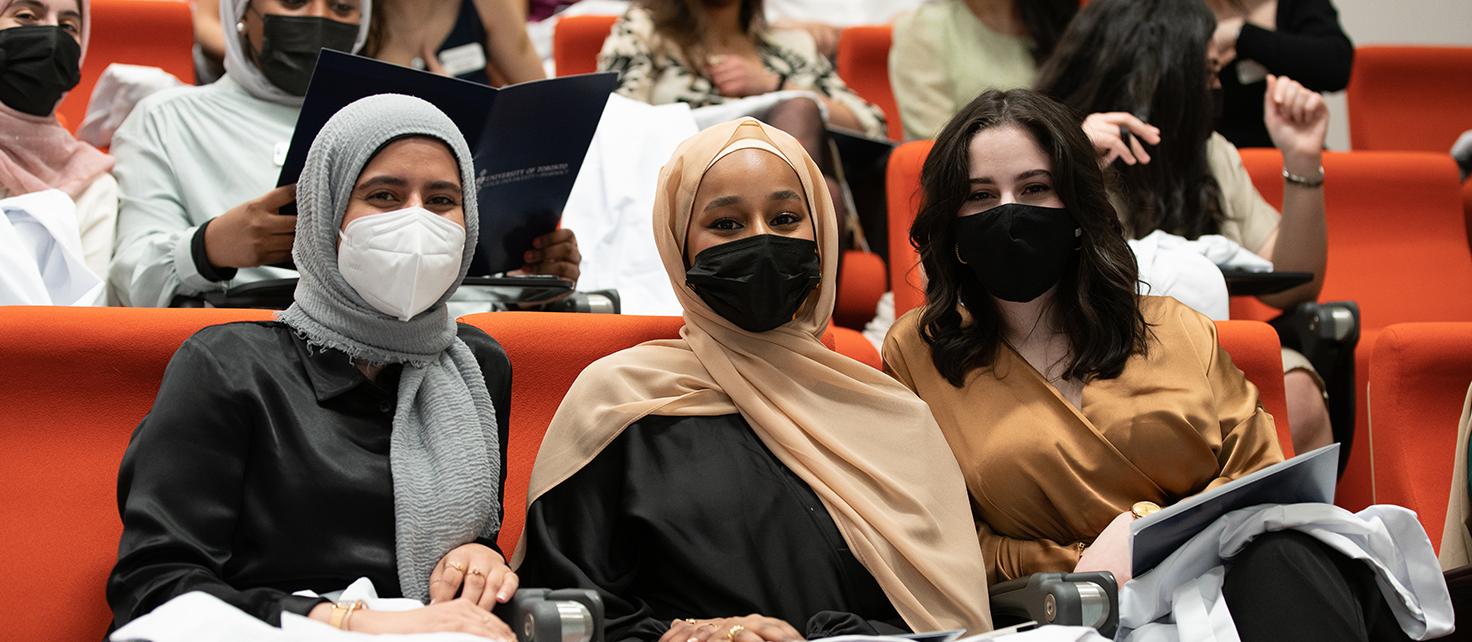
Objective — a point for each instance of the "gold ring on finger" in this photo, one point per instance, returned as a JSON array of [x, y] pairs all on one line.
[[734, 631], [455, 565], [475, 571]]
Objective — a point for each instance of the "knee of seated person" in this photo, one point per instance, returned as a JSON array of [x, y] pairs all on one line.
[[797, 112], [1277, 548]]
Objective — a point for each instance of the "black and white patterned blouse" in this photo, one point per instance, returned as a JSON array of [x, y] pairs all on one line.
[[651, 69]]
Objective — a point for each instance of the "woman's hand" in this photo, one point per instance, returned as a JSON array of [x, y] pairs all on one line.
[[253, 233], [1110, 550], [751, 628], [482, 571], [739, 77], [457, 616], [555, 254], [1297, 120], [1106, 132]]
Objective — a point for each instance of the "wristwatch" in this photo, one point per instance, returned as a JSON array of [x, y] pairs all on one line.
[[1141, 509]]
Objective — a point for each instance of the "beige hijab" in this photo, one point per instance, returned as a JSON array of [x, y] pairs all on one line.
[[867, 446]]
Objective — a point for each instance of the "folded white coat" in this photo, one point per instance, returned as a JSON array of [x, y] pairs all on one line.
[[41, 260], [1181, 598], [113, 97], [201, 617]]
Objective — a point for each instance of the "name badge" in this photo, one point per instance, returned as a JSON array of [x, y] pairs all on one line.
[[279, 156], [463, 59]]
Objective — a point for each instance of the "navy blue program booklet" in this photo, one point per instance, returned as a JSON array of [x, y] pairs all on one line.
[[528, 140], [1306, 479]]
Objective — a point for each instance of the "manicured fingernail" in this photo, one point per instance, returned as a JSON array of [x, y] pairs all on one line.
[[501, 596]]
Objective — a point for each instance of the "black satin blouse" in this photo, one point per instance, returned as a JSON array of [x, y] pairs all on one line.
[[263, 469], [692, 517]]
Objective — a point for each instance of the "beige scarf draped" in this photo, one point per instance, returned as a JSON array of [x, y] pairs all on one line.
[[867, 446], [1456, 542]]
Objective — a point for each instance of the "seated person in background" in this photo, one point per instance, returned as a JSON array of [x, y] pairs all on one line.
[[41, 44], [209, 41], [947, 52], [738, 469], [1067, 397], [1197, 184], [196, 165], [483, 41], [1300, 39], [824, 20], [360, 434]]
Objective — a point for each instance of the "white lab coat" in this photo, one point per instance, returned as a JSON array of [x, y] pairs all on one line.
[[41, 257]]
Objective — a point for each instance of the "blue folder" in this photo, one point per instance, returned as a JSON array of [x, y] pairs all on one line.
[[1307, 478], [528, 140]]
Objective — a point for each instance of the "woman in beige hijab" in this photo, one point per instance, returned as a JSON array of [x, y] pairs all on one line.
[[745, 468]]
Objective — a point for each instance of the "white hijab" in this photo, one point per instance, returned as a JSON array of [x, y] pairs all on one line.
[[238, 62]]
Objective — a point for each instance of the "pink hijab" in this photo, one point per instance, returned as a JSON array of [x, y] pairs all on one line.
[[37, 153]]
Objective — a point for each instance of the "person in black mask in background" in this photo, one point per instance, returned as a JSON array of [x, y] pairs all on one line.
[[41, 44], [197, 165], [744, 482], [1175, 174]]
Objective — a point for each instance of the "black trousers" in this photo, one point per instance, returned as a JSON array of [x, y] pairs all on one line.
[[1290, 586]]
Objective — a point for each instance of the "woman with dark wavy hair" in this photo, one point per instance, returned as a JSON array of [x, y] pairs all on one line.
[[1151, 66], [1072, 403]]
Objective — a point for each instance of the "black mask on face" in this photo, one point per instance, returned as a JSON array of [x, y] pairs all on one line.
[[37, 65], [290, 45], [1017, 251], [757, 282]]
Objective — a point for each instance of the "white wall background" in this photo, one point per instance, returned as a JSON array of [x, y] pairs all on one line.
[[1397, 22]]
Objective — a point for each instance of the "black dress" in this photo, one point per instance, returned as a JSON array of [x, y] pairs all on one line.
[[263, 469], [692, 517], [1308, 46]]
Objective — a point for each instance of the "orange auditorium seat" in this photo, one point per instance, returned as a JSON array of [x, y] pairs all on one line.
[[1419, 376], [80, 380], [863, 63], [576, 41], [1397, 245], [862, 281], [1255, 351], [1410, 98], [156, 33], [902, 188]]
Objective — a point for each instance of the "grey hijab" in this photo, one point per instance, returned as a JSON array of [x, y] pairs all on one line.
[[238, 62], [444, 450]]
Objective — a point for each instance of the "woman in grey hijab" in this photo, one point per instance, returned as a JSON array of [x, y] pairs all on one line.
[[359, 434]]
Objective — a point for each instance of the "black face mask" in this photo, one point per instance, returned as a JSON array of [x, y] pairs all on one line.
[[757, 282], [290, 45], [37, 65], [1017, 251]]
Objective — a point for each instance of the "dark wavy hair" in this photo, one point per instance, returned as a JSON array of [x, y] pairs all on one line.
[[1095, 303], [1045, 21], [684, 22], [1148, 58]]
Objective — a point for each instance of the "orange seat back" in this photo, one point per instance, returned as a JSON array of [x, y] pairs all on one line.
[[1255, 351], [902, 187], [576, 41], [861, 282], [1397, 233], [1410, 98], [863, 63], [1419, 377], [78, 380], [156, 33], [1397, 245]]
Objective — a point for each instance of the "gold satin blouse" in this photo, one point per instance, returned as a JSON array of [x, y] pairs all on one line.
[[1044, 475]]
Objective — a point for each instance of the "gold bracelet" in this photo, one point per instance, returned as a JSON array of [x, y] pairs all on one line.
[[341, 611]]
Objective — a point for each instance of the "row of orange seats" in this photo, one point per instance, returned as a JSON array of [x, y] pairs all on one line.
[[78, 380]]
